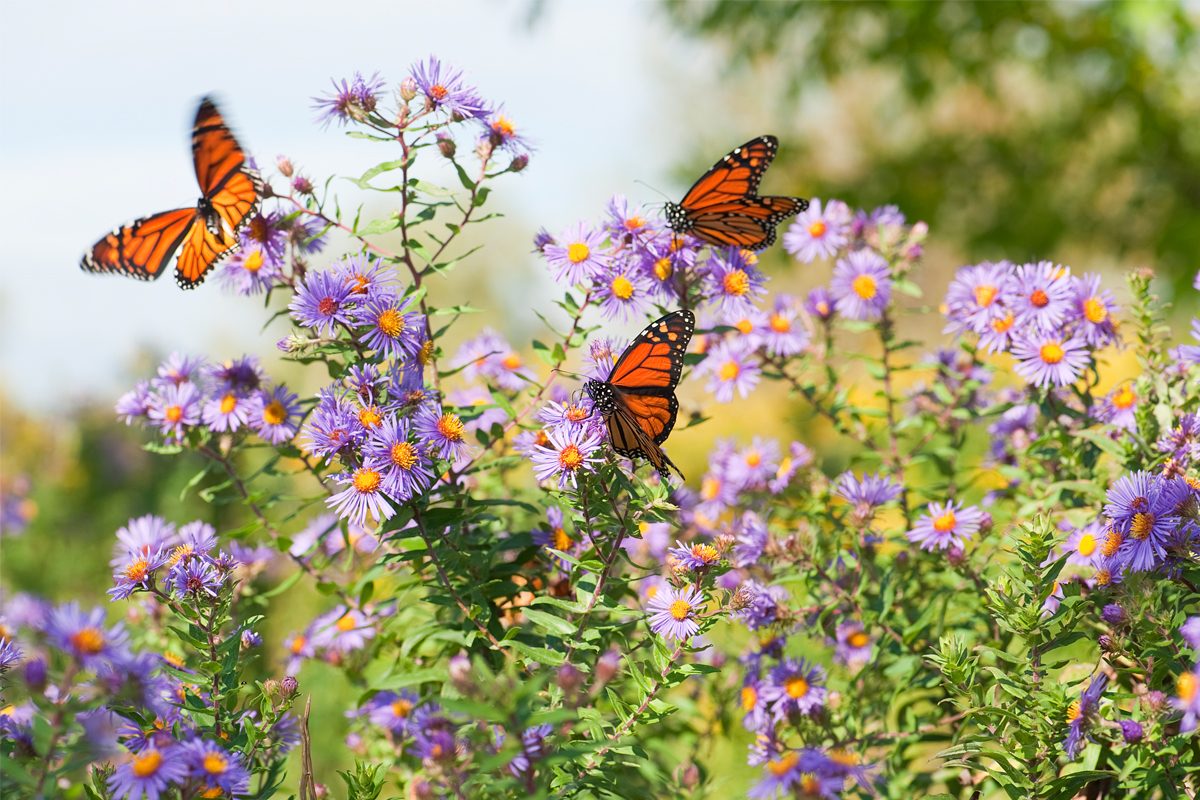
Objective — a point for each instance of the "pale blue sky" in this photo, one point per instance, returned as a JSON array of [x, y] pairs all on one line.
[[97, 100]]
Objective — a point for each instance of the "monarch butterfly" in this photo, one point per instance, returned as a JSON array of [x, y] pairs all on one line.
[[637, 400], [722, 208], [230, 192]]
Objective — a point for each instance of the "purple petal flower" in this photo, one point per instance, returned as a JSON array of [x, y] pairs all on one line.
[[134, 404], [979, 295], [854, 645], [322, 302], [489, 356], [273, 414], [406, 470], [673, 612], [392, 330], [174, 409], [730, 368], [1049, 359], [781, 331], [795, 686], [570, 451], [818, 232], [861, 285], [733, 281], [148, 775], [1043, 296], [867, 494], [576, 256], [1093, 311], [441, 432], [444, 89], [352, 99], [83, 635], [215, 767], [623, 291], [946, 525], [362, 497], [820, 303], [177, 370], [392, 711]]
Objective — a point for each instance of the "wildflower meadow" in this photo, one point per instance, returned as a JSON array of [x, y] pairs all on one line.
[[989, 592]]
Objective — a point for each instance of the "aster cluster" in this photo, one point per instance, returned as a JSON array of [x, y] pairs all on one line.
[[272, 249], [187, 561], [191, 399], [337, 636]]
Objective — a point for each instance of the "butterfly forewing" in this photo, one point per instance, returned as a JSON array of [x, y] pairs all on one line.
[[654, 361], [142, 248]]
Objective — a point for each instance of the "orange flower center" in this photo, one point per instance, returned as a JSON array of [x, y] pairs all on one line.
[[784, 764], [710, 488], [346, 623], [438, 92], [706, 553], [780, 323], [174, 413], [1125, 398], [228, 403], [663, 268], [298, 644], [796, 687], [1185, 686], [858, 639], [945, 522], [749, 698], [744, 326], [504, 127], [1003, 324], [327, 306], [366, 480], [736, 282], [370, 417], [570, 458], [215, 763], [864, 286], [576, 413], [1051, 352], [1039, 298], [450, 427], [578, 252], [730, 370], [1073, 711], [817, 228], [138, 570], [512, 361], [1143, 523], [404, 455], [253, 261], [402, 707], [390, 322], [147, 763], [635, 223], [621, 287], [561, 539], [1095, 310], [274, 413], [985, 295], [88, 641]]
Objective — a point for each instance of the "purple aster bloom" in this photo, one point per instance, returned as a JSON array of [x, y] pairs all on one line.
[[1082, 714], [533, 748], [673, 612], [1145, 509], [1049, 359], [322, 302], [760, 605], [197, 537], [1013, 431], [868, 494], [623, 291], [148, 775], [755, 716], [342, 630], [1093, 310], [576, 256], [445, 90], [664, 257], [362, 497], [501, 133], [541, 240], [332, 426], [946, 525], [214, 766], [820, 304], [730, 369], [570, 414], [136, 571], [177, 370], [624, 222], [251, 639], [569, 452], [853, 644], [978, 296], [442, 433], [733, 281], [196, 577], [781, 331], [1182, 443], [83, 635], [1190, 630], [999, 334], [818, 232], [797, 456], [350, 100], [861, 285], [490, 357], [392, 711], [435, 741], [1083, 545], [1187, 698], [242, 376], [10, 654], [1119, 407], [794, 686], [134, 404], [174, 409], [695, 556], [797, 773], [405, 469], [1043, 296], [142, 536], [365, 381], [602, 357], [752, 538], [273, 414], [363, 275], [392, 330], [225, 412], [256, 266], [754, 465]]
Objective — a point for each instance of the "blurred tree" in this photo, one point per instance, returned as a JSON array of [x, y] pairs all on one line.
[[1023, 128]]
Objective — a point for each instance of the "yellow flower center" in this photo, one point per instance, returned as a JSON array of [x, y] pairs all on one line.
[[749, 256], [621, 287], [663, 268], [710, 488], [175, 660], [1185, 686], [796, 687], [783, 764], [504, 126], [736, 282], [215, 763], [680, 609], [1103, 576], [450, 427], [753, 458], [345, 623], [425, 354], [1112, 543], [512, 361], [730, 370], [390, 322], [1125, 398], [1073, 711], [88, 641], [780, 323], [823, 308], [1095, 310], [562, 539], [8, 710], [577, 252], [945, 522], [864, 286], [1003, 324], [1039, 298], [652, 591], [1143, 523], [179, 553], [985, 295], [174, 413], [147, 763], [366, 480], [274, 413], [749, 698], [744, 326], [570, 458], [1086, 546], [1051, 352], [228, 403], [253, 261], [370, 417], [706, 553], [576, 414], [137, 570], [404, 455], [810, 785], [858, 639], [212, 792], [298, 644], [817, 229], [402, 708]]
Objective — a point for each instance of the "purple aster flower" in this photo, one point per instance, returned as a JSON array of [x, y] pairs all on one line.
[[673, 612], [602, 357], [1114, 614], [177, 370], [363, 275], [796, 773], [754, 465], [1093, 310], [251, 639], [781, 332], [444, 89], [733, 281], [755, 716], [490, 357], [134, 404], [322, 302], [760, 605], [442, 433], [332, 426], [1043, 296], [663, 258], [999, 334], [142, 536], [624, 222], [10, 654], [818, 232], [868, 494], [1131, 731], [576, 256], [623, 291], [215, 767], [148, 775], [1145, 509], [135, 572], [1083, 545], [820, 304], [225, 412], [242, 376], [752, 538], [174, 409], [273, 414], [570, 414], [1190, 630], [405, 469], [1049, 359], [533, 748], [861, 285], [362, 497], [1187, 698], [1189, 354], [794, 686], [1082, 714], [195, 577], [83, 635], [1182, 443], [392, 711], [1119, 407], [257, 264], [946, 525], [501, 133], [730, 368], [392, 330], [342, 630], [570, 451], [853, 644], [798, 456], [350, 100], [978, 296], [695, 556]]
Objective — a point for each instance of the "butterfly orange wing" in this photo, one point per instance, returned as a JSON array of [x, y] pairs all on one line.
[[653, 363], [201, 251], [735, 176], [142, 248]]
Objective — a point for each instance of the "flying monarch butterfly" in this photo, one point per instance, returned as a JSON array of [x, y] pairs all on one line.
[[638, 399], [722, 208], [204, 234]]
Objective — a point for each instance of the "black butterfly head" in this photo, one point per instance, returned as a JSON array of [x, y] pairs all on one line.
[[603, 397], [677, 218]]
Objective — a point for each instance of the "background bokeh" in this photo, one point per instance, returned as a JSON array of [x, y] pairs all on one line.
[[1041, 130]]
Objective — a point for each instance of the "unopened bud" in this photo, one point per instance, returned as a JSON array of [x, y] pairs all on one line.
[[1114, 614], [955, 556], [421, 789], [460, 672], [302, 185], [519, 162], [1106, 643], [408, 89], [688, 776], [271, 687], [446, 144], [569, 679], [607, 667], [289, 686], [1131, 731], [284, 165], [35, 674], [1155, 700]]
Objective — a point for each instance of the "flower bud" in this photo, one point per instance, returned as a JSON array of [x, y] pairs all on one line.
[[446, 144], [1155, 700], [460, 672], [302, 185], [688, 776], [35, 674], [1131, 731], [569, 679], [250, 639], [1106, 643], [284, 165], [408, 89], [1113, 614], [421, 789], [607, 667], [289, 686], [955, 556], [519, 162]]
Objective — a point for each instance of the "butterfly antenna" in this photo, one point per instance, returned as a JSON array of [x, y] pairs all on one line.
[[569, 374], [656, 190]]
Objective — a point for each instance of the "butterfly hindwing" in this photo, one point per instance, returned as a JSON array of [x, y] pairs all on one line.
[[201, 251]]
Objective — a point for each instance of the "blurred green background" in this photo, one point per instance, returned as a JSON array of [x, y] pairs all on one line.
[[1016, 130]]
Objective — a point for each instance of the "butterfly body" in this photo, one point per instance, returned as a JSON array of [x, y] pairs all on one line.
[[723, 207], [204, 234], [638, 401]]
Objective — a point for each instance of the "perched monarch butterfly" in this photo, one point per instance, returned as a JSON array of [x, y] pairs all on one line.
[[204, 234], [638, 399], [722, 208]]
